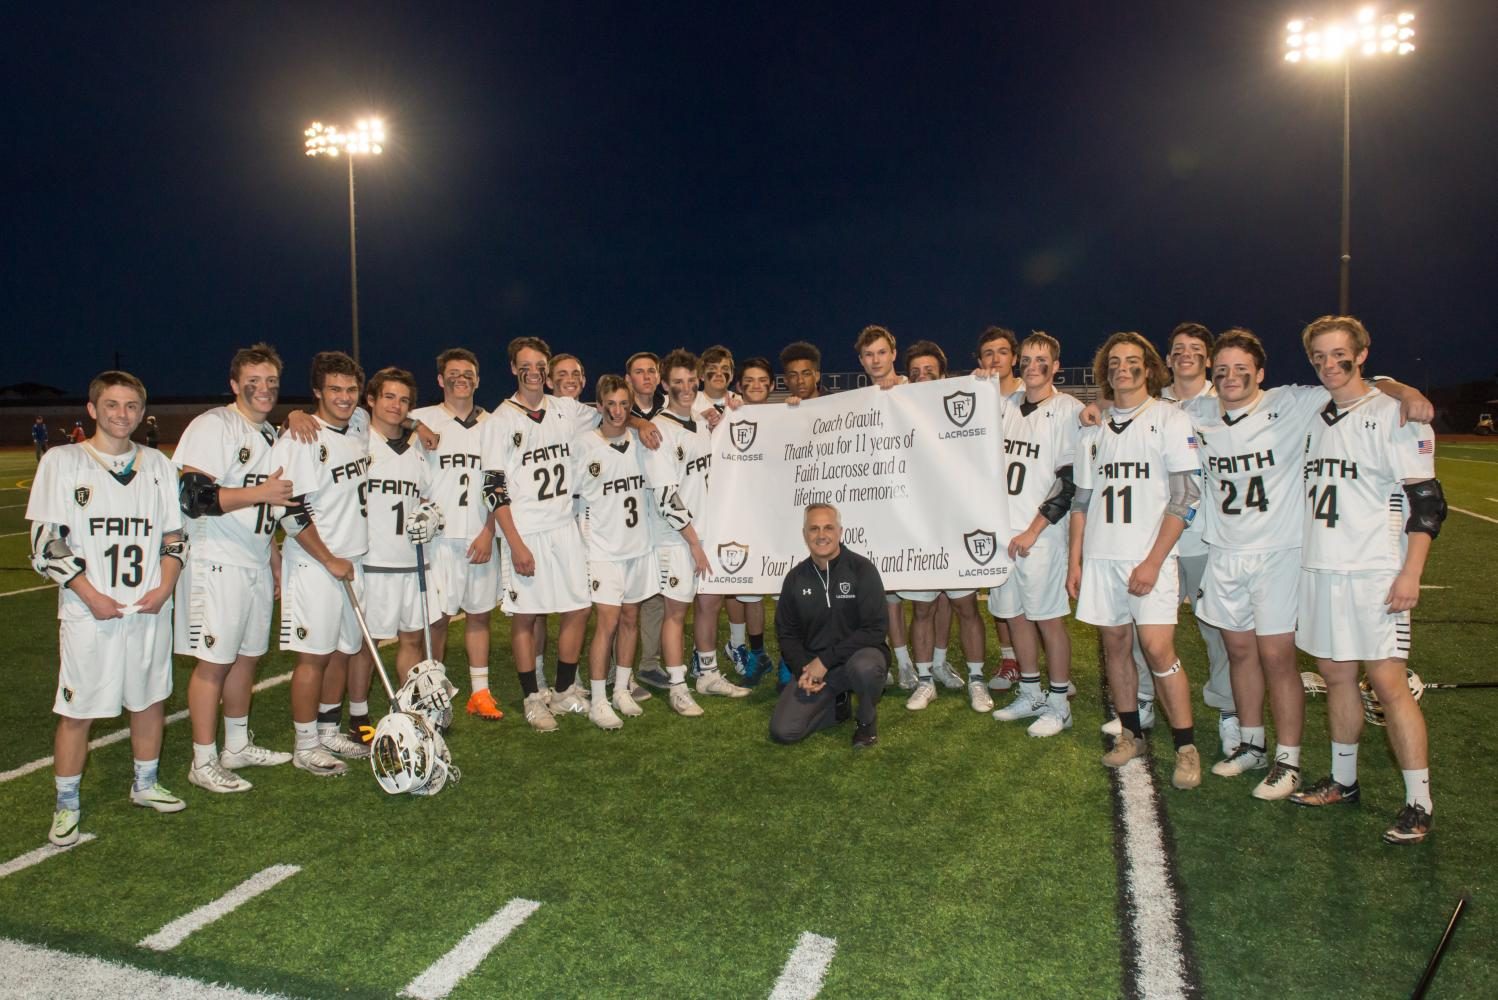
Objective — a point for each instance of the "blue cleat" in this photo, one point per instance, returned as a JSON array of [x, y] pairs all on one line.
[[739, 657], [785, 676], [759, 665]]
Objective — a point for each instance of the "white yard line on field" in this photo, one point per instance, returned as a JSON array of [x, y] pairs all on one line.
[[1474, 461], [443, 975], [39, 855], [1473, 513], [29, 590], [178, 930], [801, 979], [38, 973], [1160, 958]]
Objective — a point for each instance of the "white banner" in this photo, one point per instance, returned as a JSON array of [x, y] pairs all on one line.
[[916, 473]]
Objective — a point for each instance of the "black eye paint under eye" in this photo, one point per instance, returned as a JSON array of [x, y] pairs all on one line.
[[1346, 367]]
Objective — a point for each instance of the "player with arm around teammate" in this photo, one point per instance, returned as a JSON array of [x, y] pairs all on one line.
[[746, 630], [231, 496], [998, 351], [1137, 478], [105, 526], [1373, 507]]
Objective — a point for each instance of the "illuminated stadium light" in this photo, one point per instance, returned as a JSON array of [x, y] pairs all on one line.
[[1366, 31]]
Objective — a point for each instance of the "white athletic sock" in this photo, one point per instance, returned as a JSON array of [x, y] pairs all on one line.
[[478, 678], [923, 671], [325, 707], [540, 661], [145, 773], [1056, 698], [358, 708], [1287, 755], [975, 670], [736, 634], [202, 753], [622, 678], [600, 690], [707, 661], [1030, 684], [67, 791], [236, 733], [541, 684], [1253, 736], [902, 656], [306, 735], [938, 657], [1007, 652], [1417, 788], [677, 675], [1345, 763]]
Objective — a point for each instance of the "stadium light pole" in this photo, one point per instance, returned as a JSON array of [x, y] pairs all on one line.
[[1367, 34], [367, 139]]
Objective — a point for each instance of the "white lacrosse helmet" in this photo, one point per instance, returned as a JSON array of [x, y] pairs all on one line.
[[428, 693], [404, 753], [1373, 709], [443, 769]]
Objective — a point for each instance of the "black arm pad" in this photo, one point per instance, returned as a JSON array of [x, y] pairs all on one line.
[[296, 516], [1058, 504], [496, 492], [198, 495], [1427, 507]]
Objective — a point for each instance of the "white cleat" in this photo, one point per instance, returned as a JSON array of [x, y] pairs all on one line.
[[157, 798], [1024, 706], [316, 760], [573, 701], [65, 823], [538, 713], [336, 741], [713, 682], [1146, 719], [946, 676], [978, 696], [1230, 733], [923, 695], [682, 702], [1050, 722], [214, 777], [625, 704], [601, 714], [252, 756], [1282, 781], [1243, 759], [908, 677]]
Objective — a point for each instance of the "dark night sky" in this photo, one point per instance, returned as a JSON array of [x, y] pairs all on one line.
[[622, 176]]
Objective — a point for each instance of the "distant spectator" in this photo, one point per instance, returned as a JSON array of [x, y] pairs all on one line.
[[153, 433], [78, 435], [39, 437]]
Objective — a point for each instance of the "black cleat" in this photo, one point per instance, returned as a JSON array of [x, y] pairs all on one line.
[[1327, 792], [1411, 826], [865, 736], [360, 729]]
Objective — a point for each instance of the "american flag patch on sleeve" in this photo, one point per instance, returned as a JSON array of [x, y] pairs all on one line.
[[1191, 441], [1426, 447]]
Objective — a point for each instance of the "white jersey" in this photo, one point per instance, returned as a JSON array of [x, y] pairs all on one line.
[[1356, 458], [1253, 499], [331, 474], [399, 477], [457, 467], [704, 402], [358, 424], [234, 453], [1193, 540], [533, 448], [1126, 462], [689, 447], [115, 527], [616, 479], [1038, 440]]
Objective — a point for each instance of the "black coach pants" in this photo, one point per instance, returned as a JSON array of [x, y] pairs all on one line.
[[797, 714]]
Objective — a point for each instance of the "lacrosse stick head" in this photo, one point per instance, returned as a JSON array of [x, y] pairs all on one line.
[[404, 753], [1314, 683], [1373, 709], [443, 769], [427, 692]]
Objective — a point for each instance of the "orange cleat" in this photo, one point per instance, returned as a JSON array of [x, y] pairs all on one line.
[[482, 704]]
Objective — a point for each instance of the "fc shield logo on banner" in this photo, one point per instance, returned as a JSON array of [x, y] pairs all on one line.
[[981, 545], [741, 433], [732, 556], [960, 407]]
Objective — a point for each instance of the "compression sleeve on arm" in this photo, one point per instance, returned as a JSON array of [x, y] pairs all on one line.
[[1079, 501], [1185, 492]]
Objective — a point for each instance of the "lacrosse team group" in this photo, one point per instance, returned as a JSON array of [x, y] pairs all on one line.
[[1290, 517]]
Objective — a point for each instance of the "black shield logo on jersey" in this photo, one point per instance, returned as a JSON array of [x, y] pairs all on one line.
[[516, 438], [673, 581], [594, 468], [244, 456], [209, 640], [741, 433], [732, 556], [981, 545], [960, 407], [681, 454], [301, 632], [83, 495], [67, 694], [596, 584], [322, 454]]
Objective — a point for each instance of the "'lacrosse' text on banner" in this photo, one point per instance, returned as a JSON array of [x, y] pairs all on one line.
[[915, 471]]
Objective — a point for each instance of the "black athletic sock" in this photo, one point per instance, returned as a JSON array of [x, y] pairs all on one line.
[[757, 642], [1130, 721], [1183, 737], [566, 675], [334, 715], [528, 682]]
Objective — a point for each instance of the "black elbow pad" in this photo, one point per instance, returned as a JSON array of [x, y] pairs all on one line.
[[1058, 503], [496, 493], [1427, 507], [198, 495]]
